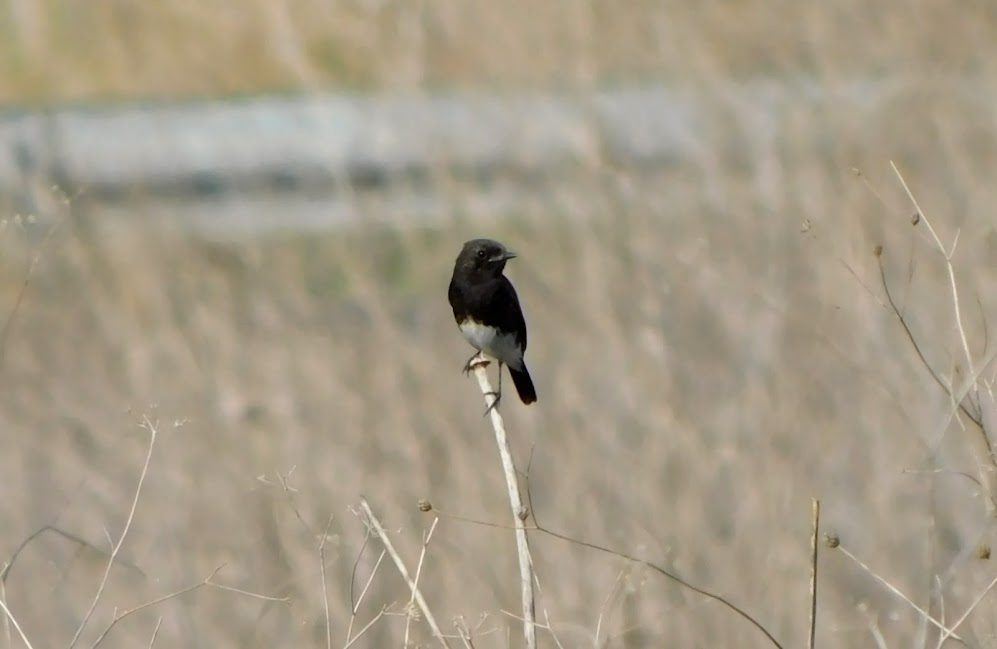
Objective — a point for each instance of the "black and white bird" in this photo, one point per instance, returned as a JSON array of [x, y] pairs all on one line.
[[486, 308]]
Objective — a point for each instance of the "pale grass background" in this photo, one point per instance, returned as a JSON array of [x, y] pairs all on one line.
[[709, 340]]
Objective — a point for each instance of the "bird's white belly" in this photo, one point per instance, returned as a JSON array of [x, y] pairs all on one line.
[[502, 347]]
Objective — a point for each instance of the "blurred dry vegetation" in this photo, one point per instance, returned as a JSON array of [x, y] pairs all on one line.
[[711, 341]]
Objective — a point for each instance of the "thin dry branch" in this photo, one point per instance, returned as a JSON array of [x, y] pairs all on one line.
[[373, 522], [896, 591], [418, 573], [629, 557], [519, 512], [13, 620], [948, 255], [6, 620], [153, 431], [664, 573], [183, 591], [366, 628], [815, 524], [69, 536], [355, 606], [962, 618], [972, 385], [155, 632], [609, 601], [325, 590], [207, 581], [549, 625], [973, 416]]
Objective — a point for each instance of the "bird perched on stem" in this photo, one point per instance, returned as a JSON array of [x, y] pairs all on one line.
[[486, 308]]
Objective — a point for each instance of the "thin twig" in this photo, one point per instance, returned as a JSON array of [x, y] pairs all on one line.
[[248, 593], [959, 402], [153, 430], [543, 607], [664, 573], [948, 264], [607, 603], [974, 417], [519, 512], [415, 582], [354, 604], [465, 637], [815, 524], [183, 591], [6, 620], [13, 620], [538, 527], [155, 632], [364, 629], [962, 618], [66, 535], [363, 592], [400, 565], [896, 591], [941, 609], [207, 581], [325, 590]]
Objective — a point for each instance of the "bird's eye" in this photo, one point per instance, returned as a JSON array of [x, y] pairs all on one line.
[[481, 254]]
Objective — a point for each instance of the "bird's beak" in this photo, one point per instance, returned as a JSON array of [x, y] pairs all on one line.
[[509, 255]]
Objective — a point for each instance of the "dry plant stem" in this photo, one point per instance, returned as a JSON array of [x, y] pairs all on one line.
[[153, 430], [363, 593], [3, 600], [183, 591], [953, 285], [239, 591], [548, 624], [518, 511], [962, 618], [13, 620], [608, 602], [419, 599], [325, 591], [155, 632], [983, 446], [418, 573], [975, 418], [948, 264], [958, 398], [893, 589], [922, 631], [813, 573], [465, 637], [644, 562], [366, 628], [65, 535]]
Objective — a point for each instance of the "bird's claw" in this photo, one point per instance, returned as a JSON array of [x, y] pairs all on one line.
[[474, 362]]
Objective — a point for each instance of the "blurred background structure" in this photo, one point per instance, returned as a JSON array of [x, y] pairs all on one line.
[[239, 220]]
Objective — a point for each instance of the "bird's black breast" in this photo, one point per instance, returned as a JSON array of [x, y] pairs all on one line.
[[492, 302]]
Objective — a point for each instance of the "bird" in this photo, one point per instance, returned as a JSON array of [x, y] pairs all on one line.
[[487, 311]]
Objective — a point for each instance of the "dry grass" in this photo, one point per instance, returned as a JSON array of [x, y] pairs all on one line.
[[76, 49], [710, 344]]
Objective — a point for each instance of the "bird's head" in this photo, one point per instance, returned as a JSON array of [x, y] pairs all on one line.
[[484, 257]]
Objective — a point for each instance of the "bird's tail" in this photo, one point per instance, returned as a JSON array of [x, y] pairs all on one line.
[[524, 384]]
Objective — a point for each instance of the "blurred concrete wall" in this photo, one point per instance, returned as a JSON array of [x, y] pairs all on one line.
[[325, 138], [321, 141]]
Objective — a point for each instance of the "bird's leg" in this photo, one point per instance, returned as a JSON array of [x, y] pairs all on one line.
[[475, 361], [497, 395]]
